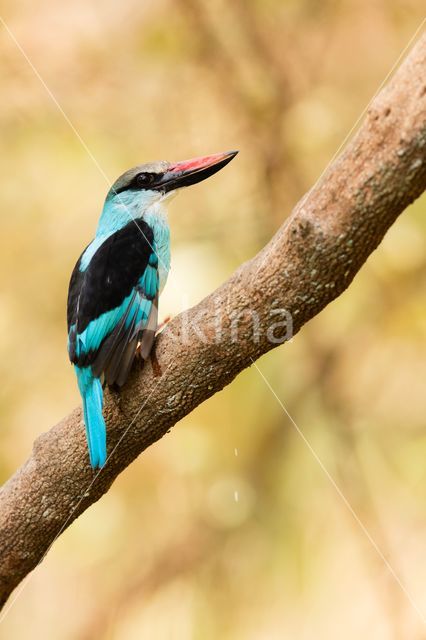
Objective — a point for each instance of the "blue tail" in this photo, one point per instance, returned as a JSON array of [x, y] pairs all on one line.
[[92, 395]]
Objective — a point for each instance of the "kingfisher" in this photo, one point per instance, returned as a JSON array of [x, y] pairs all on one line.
[[113, 293]]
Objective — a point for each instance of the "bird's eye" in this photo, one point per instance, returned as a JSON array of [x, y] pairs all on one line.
[[145, 179]]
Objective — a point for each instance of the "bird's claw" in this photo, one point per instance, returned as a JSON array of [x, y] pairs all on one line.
[[139, 356], [163, 324]]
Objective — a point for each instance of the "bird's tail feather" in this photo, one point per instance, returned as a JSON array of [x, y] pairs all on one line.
[[92, 395]]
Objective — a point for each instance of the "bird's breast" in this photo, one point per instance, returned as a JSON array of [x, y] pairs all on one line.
[[157, 220]]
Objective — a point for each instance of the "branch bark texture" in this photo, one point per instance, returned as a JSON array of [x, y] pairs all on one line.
[[310, 261]]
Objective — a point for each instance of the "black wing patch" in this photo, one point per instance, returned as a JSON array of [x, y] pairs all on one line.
[[113, 275], [114, 271]]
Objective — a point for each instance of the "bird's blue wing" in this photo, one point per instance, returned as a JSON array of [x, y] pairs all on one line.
[[114, 306], [135, 329]]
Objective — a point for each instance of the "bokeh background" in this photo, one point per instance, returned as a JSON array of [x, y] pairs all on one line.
[[228, 527]]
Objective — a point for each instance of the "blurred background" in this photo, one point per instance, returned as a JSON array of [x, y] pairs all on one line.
[[228, 527]]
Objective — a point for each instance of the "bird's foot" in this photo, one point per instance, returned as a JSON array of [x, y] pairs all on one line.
[[139, 356], [163, 324], [156, 368]]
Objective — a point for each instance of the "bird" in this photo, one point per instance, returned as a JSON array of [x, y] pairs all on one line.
[[112, 308]]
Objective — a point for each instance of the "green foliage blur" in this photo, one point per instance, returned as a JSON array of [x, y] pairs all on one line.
[[231, 527]]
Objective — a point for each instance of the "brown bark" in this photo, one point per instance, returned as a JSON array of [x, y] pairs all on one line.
[[308, 263]]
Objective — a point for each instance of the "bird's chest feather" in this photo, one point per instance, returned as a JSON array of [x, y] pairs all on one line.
[[156, 217]]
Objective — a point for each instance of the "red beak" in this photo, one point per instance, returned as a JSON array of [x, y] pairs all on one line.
[[183, 174]]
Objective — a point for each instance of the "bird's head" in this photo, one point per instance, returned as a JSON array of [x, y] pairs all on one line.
[[138, 189]]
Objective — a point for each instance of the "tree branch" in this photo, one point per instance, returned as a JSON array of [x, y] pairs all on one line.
[[308, 263]]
